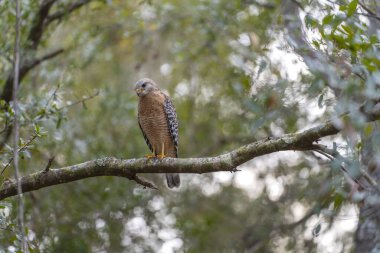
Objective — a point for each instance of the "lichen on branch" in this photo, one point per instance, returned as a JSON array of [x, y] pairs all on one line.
[[128, 168]]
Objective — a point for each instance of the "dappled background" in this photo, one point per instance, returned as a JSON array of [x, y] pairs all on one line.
[[234, 77]]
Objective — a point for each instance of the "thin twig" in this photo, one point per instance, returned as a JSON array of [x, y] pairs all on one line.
[[367, 9], [80, 101], [335, 154], [36, 61], [368, 15], [69, 105], [143, 182], [48, 165], [16, 68], [348, 177], [20, 150], [38, 26], [54, 94], [66, 10]]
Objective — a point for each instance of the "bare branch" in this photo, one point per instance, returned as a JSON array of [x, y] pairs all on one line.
[[49, 163], [368, 15], [338, 156], [370, 12], [71, 8], [31, 64], [25, 67], [84, 99], [16, 70], [129, 168], [330, 154], [143, 182], [38, 24]]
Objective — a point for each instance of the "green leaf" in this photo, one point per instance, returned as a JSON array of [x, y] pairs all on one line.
[[316, 44], [347, 29], [311, 22], [59, 121], [352, 7], [41, 112], [338, 201], [37, 129], [327, 19], [368, 130], [359, 147], [320, 100]]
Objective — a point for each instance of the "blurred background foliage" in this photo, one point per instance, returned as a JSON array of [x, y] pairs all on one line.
[[234, 78]]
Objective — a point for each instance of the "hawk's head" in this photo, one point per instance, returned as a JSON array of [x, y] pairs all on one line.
[[145, 86]]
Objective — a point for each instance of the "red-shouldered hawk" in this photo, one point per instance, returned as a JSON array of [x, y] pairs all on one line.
[[157, 118]]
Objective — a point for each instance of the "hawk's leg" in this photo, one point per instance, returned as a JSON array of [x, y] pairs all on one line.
[[151, 155], [162, 155]]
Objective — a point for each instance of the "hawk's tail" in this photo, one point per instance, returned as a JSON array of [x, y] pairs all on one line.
[[173, 180]]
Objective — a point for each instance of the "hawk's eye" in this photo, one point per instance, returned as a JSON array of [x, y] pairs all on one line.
[[143, 85]]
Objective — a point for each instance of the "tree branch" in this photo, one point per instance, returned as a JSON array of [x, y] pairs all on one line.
[[110, 166], [371, 13], [8, 87], [16, 71], [335, 154], [38, 27], [31, 64], [41, 20], [71, 8], [26, 66], [38, 24]]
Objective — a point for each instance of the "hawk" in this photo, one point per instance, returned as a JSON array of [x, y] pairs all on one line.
[[157, 119]]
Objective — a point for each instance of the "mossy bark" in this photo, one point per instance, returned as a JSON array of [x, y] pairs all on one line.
[[110, 166]]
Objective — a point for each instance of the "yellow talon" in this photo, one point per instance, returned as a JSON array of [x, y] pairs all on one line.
[[151, 155], [161, 156], [162, 152]]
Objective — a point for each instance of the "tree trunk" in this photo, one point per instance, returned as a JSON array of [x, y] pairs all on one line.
[[367, 236]]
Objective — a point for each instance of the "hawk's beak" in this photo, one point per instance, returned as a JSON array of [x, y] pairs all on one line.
[[138, 91]]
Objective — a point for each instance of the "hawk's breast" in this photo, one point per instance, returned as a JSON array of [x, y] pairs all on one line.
[[153, 121]]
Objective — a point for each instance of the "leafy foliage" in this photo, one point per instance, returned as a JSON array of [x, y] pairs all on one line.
[[231, 69]]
